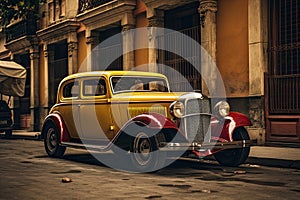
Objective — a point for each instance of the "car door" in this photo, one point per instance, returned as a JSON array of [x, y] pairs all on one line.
[[95, 115], [69, 107]]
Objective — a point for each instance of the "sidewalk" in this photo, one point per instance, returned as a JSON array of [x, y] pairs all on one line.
[[286, 157]]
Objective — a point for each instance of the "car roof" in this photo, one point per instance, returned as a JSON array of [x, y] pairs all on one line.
[[108, 74]]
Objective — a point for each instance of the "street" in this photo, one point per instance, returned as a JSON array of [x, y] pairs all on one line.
[[28, 173]]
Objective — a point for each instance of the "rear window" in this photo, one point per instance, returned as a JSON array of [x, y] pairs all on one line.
[[71, 90]]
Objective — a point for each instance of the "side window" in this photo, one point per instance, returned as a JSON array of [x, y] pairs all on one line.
[[157, 86], [94, 87], [71, 90]]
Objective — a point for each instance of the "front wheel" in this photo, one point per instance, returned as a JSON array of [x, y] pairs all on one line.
[[235, 157], [51, 141], [145, 155]]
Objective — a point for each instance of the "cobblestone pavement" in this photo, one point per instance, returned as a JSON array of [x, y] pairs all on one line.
[[27, 173]]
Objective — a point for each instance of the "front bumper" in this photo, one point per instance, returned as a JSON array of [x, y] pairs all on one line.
[[206, 146]]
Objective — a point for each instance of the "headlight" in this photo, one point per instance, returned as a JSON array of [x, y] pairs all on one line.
[[177, 109], [222, 108]]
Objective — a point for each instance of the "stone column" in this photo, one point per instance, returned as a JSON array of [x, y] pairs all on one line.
[[34, 88], [128, 47], [156, 19], [258, 63], [208, 12], [43, 99], [257, 37], [92, 40], [128, 22], [72, 54], [48, 55]]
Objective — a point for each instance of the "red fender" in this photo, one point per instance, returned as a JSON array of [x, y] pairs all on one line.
[[232, 121], [57, 119], [155, 121]]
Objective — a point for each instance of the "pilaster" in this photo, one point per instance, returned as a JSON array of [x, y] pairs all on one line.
[[92, 39], [208, 11], [72, 53], [257, 37], [258, 62], [128, 23], [156, 19], [128, 47], [34, 87]]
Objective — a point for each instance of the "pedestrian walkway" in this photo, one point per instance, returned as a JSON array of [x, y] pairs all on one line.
[[286, 157]]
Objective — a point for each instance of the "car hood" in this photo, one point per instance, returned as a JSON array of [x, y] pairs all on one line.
[[146, 96]]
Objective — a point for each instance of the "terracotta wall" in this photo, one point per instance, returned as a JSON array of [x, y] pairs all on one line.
[[232, 46], [141, 55]]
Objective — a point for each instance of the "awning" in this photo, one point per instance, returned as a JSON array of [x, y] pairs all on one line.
[[12, 78]]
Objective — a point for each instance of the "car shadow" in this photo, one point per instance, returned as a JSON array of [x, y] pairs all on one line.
[[177, 167], [187, 168]]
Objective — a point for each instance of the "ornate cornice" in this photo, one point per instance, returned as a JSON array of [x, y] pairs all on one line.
[[166, 4], [58, 30], [156, 21], [205, 7], [106, 14], [22, 44]]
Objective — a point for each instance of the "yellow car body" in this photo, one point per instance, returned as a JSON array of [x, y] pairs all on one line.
[[138, 113]]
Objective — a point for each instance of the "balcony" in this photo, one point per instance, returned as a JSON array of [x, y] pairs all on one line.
[[89, 4], [20, 29]]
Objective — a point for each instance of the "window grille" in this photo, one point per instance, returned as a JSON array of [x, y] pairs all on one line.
[[284, 57]]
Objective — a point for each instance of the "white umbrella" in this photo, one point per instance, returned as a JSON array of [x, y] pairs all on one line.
[[12, 78]]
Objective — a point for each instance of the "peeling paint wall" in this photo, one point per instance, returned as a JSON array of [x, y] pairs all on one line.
[[232, 46]]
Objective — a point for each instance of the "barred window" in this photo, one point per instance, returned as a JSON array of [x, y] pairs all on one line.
[[284, 57]]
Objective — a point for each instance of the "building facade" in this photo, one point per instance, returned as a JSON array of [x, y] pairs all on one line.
[[255, 45]]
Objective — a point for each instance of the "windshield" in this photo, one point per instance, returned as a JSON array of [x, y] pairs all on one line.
[[140, 84]]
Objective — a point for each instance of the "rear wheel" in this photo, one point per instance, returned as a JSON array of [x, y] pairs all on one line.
[[235, 157], [144, 153], [52, 142]]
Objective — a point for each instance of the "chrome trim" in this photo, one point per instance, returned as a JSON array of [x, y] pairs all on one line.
[[195, 114], [206, 146]]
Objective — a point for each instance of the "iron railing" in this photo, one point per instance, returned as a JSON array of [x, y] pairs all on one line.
[[284, 95], [89, 4], [20, 29]]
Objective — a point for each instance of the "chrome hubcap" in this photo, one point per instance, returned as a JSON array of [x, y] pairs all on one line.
[[51, 140], [142, 149]]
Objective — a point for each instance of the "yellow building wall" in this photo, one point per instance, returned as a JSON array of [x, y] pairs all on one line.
[[232, 46]]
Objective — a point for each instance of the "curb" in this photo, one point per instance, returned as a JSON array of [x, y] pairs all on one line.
[[272, 162], [35, 136]]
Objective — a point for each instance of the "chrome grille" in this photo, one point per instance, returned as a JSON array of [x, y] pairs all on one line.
[[197, 119]]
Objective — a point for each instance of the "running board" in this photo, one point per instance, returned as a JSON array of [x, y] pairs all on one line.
[[87, 146]]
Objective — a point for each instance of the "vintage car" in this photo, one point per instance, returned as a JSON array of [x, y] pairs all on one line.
[[136, 114]]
